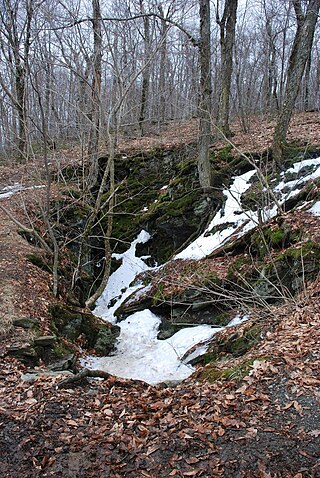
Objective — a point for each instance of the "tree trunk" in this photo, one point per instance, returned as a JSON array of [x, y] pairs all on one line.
[[297, 62], [145, 73], [306, 93], [162, 67], [227, 26], [204, 166], [93, 146], [21, 68]]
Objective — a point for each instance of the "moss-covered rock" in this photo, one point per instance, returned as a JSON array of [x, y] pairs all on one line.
[[289, 271], [77, 324]]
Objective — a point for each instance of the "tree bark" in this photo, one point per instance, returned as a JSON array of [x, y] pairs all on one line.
[[204, 166], [227, 26], [300, 52], [93, 146], [162, 67], [19, 41], [145, 73]]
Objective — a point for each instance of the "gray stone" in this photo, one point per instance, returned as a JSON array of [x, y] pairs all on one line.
[[22, 352], [45, 340], [202, 208], [170, 383], [66, 363], [196, 306]]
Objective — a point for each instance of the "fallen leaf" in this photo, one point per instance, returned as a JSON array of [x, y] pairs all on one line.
[[288, 405], [152, 449], [192, 461], [251, 432], [173, 472]]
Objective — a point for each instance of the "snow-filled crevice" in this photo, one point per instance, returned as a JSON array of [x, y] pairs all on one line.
[[139, 354]]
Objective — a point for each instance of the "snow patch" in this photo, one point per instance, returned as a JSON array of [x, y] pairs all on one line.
[[229, 213], [239, 319], [16, 188], [315, 209], [141, 356], [117, 288]]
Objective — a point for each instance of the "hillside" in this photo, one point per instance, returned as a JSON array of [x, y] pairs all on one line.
[[250, 407]]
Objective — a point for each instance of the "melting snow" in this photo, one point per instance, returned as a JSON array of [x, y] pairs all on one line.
[[238, 319], [230, 213], [120, 280], [9, 191], [239, 222], [141, 356]]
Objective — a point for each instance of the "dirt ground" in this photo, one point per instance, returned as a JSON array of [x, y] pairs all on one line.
[[265, 423]]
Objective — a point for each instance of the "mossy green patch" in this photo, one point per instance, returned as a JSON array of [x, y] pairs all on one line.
[[177, 207], [308, 250], [235, 345], [212, 373], [295, 151], [264, 240]]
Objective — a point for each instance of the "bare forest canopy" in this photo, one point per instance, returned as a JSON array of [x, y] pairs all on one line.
[[79, 70]]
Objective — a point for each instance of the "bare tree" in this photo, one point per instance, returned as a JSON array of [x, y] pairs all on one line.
[[204, 166], [93, 145], [227, 24], [146, 69], [306, 23], [15, 30]]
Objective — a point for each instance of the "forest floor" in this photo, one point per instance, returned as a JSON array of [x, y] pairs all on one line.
[[264, 422]]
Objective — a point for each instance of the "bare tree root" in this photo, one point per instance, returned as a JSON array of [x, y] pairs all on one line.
[[86, 373]]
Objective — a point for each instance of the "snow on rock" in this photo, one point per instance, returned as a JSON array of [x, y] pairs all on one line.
[[139, 354], [239, 221], [118, 289], [287, 190], [230, 213]]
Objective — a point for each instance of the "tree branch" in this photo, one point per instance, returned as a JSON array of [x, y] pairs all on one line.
[[193, 40], [26, 229]]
